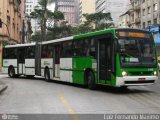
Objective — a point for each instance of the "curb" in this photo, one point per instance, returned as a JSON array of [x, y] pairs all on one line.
[[3, 88]]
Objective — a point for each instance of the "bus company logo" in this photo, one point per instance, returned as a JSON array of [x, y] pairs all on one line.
[[6, 62], [4, 116], [9, 117]]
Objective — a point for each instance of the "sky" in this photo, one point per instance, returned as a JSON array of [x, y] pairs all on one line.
[[51, 7], [117, 7]]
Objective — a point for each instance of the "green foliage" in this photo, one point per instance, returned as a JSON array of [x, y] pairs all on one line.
[[59, 31], [58, 15], [97, 17], [83, 28], [100, 20], [102, 26], [36, 37], [43, 14], [95, 21], [29, 27]]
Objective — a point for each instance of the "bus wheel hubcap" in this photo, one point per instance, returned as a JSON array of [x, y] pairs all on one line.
[[11, 72], [47, 76]]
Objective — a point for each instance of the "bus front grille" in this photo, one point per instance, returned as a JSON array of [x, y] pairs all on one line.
[[139, 82], [146, 73]]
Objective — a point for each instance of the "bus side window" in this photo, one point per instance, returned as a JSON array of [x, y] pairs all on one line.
[[67, 49], [44, 52], [93, 48], [21, 54], [78, 47], [89, 47], [47, 51], [50, 51], [57, 54], [12, 53], [5, 54], [30, 52]]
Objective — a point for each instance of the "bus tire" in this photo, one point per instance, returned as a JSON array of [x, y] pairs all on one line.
[[30, 76], [47, 75], [123, 87], [16, 76], [90, 78], [11, 72]]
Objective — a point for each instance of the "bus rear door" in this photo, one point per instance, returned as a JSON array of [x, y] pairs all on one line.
[[21, 60], [57, 52]]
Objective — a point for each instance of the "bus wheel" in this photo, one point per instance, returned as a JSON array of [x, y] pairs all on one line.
[[47, 75], [11, 72], [30, 76], [17, 76], [123, 87], [91, 80]]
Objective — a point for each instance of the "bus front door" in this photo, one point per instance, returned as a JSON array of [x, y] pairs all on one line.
[[104, 59], [21, 61]]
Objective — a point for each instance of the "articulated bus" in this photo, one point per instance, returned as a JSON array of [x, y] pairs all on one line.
[[115, 57]]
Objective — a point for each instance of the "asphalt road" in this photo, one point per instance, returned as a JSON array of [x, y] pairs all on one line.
[[36, 96]]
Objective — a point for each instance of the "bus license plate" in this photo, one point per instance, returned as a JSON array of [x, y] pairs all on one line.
[[142, 79]]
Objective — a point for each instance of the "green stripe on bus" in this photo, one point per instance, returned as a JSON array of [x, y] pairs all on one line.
[[97, 33]]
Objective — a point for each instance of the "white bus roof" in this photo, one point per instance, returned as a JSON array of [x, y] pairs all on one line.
[[43, 43], [20, 45], [58, 40]]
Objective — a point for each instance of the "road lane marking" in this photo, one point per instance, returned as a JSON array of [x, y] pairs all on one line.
[[71, 111]]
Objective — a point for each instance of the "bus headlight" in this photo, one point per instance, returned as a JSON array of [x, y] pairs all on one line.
[[124, 74], [155, 73]]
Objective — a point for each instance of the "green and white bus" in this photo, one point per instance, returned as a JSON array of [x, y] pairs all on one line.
[[115, 57]]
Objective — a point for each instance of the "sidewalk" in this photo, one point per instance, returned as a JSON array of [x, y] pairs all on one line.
[[3, 86]]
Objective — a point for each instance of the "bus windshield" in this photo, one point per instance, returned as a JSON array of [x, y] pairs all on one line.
[[137, 52]]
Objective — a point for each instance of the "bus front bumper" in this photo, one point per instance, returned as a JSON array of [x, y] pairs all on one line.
[[135, 80]]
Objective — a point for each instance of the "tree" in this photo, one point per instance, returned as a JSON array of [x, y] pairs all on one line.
[[100, 20], [63, 30], [102, 26], [96, 17], [81, 29], [95, 21], [36, 36], [43, 14]]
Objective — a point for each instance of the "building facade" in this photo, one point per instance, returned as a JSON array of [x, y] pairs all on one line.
[[86, 8], [22, 10], [144, 13], [115, 7], [123, 21], [70, 10], [11, 17], [29, 7]]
